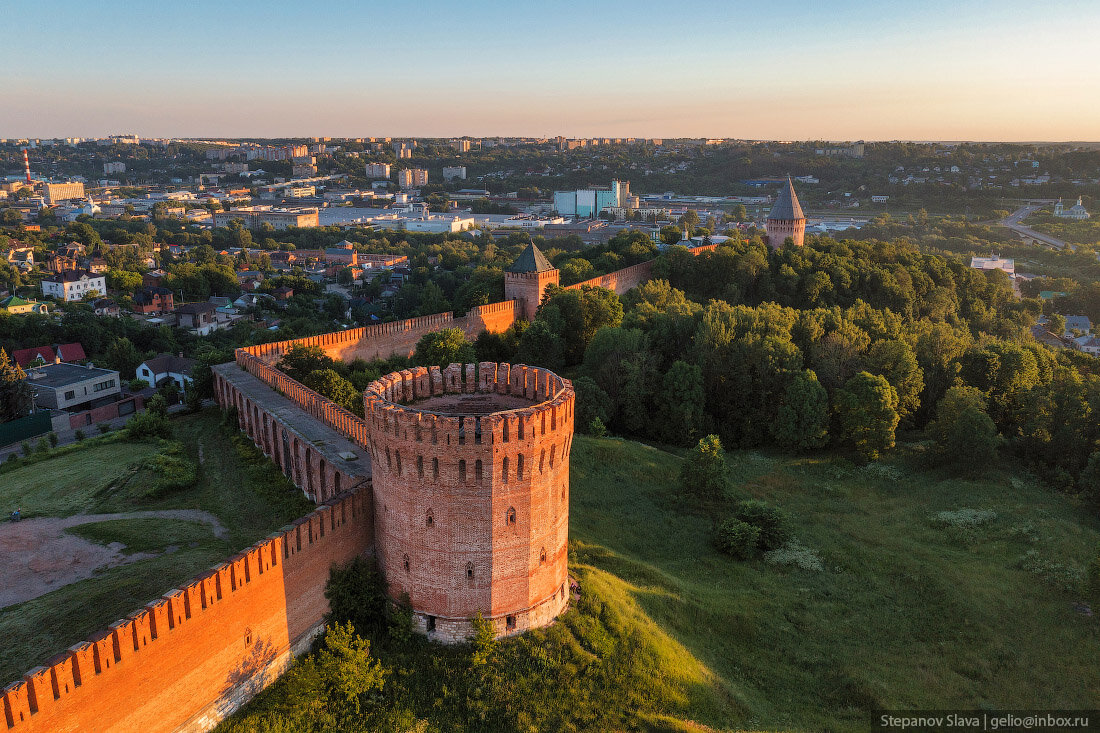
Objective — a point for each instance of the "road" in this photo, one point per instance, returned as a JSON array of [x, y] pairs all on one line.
[[1013, 222]]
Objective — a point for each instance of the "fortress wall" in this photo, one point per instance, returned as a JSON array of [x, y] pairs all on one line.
[[190, 658], [311, 402], [472, 510], [494, 317], [620, 281]]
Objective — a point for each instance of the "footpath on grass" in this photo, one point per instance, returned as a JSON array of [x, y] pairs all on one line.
[[40, 556]]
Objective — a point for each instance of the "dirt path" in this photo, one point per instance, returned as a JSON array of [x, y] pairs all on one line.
[[38, 556]]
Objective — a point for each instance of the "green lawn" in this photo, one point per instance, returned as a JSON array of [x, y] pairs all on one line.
[[76, 482], [146, 535], [907, 613], [235, 483]]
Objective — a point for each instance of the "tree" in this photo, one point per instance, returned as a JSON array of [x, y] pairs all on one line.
[[1057, 324], [803, 419], [330, 384], [739, 213], [683, 399], [299, 361], [963, 431], [689, 219], [867, 415], [329, 690], [16, 398], [671, 234], [443, 347], [576, 315], [895, 360], [123, 357], [592, 404], [703, 472]]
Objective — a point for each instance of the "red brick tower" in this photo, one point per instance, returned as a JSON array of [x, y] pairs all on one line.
[[786, 218], [470, 466], [526, 280]]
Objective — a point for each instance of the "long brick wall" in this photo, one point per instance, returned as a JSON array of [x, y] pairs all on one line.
[[191, 657]]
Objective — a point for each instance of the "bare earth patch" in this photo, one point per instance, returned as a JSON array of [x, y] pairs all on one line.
[[40, 557]]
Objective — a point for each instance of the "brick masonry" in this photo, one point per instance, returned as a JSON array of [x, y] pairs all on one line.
[[472, 510]]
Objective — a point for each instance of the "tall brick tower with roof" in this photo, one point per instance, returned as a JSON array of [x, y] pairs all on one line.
[[786, 218], [527, 279]]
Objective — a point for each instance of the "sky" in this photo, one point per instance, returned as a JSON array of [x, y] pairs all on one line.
[[772, 69]]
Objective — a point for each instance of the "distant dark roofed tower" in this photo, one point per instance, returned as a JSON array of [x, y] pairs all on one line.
[[527, 279], [786, 218]]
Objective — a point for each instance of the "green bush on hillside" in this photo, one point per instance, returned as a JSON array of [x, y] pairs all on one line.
[[738, 539], [771, 521]]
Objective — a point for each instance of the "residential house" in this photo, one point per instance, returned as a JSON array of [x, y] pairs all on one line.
[[199, 318], [72, 387], [1088, 344], [153, 301], [154, 278], [1077, 323], [15, 305], [74, 285], [69, 353], [106, 307], [283, 292], [164, 368]]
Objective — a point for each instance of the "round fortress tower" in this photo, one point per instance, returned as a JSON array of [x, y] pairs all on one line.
[[470, 466]]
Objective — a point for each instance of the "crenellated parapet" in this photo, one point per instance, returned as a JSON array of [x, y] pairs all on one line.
[[471, 476], [192, 656]]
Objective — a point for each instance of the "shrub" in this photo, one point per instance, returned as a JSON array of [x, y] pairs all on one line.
[[42, 446], [597, 428], [53, 439], [12, 458], [174, 472], [703, 472], [79, 435], [149, 425], [738, 539], [25, 448], [104, 428], [772, 522]]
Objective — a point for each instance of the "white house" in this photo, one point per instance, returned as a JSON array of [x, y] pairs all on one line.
[[74, 285], [164, 368]]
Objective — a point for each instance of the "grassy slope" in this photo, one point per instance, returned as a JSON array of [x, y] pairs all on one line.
[[243, 489], [906, 613]]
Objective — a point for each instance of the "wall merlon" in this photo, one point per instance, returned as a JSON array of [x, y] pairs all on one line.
[[159, 611], [39, 689], [82, 656], [63, 675], [141, 626], [17, 704]]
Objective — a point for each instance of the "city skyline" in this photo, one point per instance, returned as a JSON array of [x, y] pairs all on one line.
[[940, 71]]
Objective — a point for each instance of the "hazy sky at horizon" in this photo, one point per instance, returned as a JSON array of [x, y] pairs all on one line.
[[959, 70]]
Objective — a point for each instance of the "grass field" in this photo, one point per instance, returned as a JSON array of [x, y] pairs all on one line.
[[910, 611], [235, 483]]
